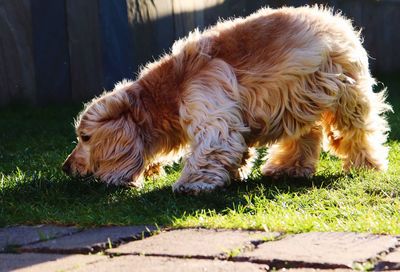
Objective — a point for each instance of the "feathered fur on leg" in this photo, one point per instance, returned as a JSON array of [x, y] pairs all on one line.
[[211, 114]]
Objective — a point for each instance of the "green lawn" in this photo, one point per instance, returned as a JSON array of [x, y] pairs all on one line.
[[33, 190]]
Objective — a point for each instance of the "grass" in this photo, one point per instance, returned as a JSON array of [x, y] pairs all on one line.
[[33, 190]]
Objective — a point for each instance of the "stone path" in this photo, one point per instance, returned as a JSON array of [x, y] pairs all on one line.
[[145, 248]]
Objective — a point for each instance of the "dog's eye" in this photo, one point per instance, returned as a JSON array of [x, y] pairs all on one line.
[[85, 138]]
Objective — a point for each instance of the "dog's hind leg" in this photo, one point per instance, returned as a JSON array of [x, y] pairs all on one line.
[[356, 132], [295, 157], [154, 169], [211, 116]]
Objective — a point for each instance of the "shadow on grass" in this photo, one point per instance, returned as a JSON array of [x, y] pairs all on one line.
[[72, 202]]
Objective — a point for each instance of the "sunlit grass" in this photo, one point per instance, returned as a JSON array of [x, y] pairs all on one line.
[[33, 190]]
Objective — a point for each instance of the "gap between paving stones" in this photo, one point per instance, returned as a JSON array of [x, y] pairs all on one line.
[[93, 249], [271, 264], [28, 235], [376, 262], [100, 239], [382, 264], [223, 256], [198, 243], [287, 264], [96, 248], [275, 263], [253, 245]]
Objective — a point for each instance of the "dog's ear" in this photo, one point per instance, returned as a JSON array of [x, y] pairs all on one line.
[[112, 105], [118, 102], [109, 106], [127, 98], [117, 154]]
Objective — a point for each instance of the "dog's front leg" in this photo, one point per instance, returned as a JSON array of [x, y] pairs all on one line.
[[211, 115], [213, 160]]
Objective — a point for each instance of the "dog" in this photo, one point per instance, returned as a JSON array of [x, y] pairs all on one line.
[[288, 78]]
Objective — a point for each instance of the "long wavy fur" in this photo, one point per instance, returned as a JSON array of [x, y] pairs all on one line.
[[288, 78]]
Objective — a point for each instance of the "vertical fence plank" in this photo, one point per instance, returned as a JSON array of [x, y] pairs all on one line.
[[17, 75], [234, 8], [116, 40], [387, 49], [187, 15], [84, 40], [183, 14], [50, 47], [152, 28], [190, 15], [367, 19]]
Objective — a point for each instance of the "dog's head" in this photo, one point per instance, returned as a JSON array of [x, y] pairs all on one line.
[[110, 141]]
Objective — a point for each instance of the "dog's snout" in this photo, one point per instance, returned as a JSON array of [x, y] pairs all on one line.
[[66, 167]]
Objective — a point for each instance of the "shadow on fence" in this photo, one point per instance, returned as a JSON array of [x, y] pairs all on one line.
[[59, 51]]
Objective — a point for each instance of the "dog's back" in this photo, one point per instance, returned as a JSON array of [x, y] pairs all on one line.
[[281, 56]]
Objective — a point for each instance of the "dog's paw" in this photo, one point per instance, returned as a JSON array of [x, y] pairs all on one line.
[[241, 174], [276, 171], [193, 188]]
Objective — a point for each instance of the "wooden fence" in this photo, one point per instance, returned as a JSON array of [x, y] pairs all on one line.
[[59, 51]]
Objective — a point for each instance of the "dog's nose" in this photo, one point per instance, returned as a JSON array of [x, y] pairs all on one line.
[[66, 167]]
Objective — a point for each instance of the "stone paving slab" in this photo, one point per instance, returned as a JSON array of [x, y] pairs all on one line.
[[23, 235], [195, 243], [321, 250], [91, 240], [316, 270], [389, 262], [36, 262], [165, 264]]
